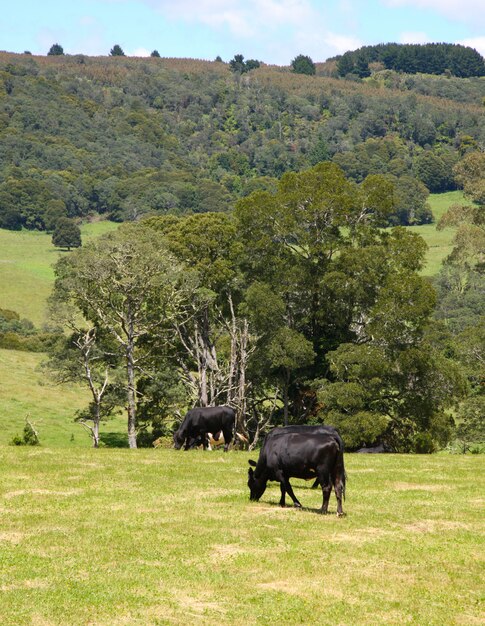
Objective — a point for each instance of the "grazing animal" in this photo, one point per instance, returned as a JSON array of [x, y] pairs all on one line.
[[300, 455], [200, 421], [305, 428], [217, 439]]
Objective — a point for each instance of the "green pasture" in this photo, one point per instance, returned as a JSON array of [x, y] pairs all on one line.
[[160, 537], [26, 274], [439, 242], [26, 393]]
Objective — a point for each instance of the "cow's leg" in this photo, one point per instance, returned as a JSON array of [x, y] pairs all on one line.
[[339, 482], [227, 438], [205, 440], [315, 484], [283, 494], [338, 494], [324, 479], [289, 489]]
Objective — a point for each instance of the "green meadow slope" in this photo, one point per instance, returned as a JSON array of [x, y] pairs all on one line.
[[26, 274]]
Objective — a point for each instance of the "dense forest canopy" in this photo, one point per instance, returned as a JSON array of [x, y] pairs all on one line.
[[125, 137], [429, 58]]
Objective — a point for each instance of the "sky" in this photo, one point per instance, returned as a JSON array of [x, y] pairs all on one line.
[[272, 31]]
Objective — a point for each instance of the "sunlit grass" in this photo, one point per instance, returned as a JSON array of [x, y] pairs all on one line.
[[164, 537], [26, 392], [439, 241], [26, 273]]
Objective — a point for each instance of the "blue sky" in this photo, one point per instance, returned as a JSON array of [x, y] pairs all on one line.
[[273, 31]]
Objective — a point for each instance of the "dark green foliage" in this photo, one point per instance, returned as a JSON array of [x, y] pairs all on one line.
[[345, 64], [30, 436], [362, 67], [471, 415], [56, 50], [239, 66], [155, 54], [21, 334], [136, 137], [302, 64], [66, 234], [432, 58], [116, 51]]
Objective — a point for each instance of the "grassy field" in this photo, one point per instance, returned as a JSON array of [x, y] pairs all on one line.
[[24, 393], [119, 537], [26, 274], [439, 242]]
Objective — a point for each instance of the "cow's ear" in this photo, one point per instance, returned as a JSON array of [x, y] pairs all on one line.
[[250, 473], [252, 463]]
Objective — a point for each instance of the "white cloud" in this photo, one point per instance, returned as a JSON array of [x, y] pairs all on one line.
[[413, 37], [139, 52], [244, 19], [475, 42], [463, 10], [341, 43]]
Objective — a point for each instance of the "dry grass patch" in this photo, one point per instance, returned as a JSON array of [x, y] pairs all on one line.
[[14, 537], [41, 492]]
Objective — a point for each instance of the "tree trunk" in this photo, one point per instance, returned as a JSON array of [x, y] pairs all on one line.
[[243, 359], [233, 357], [286, 386], [96, 428], [131, 390]]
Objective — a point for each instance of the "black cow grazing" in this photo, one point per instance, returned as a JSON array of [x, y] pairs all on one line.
[[300, 455], [200, 421], [320, 429]]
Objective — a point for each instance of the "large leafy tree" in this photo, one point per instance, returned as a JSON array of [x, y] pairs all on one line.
[[351, 292], [67, 234], [128, 284]]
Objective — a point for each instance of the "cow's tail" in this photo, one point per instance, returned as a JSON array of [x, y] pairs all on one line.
[[340, 473]]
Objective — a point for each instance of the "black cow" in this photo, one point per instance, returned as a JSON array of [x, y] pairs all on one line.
[[202, 420], [300, 455], [320, 429]]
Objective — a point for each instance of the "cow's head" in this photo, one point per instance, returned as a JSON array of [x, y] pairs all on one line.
[[257, 486], [178, 440]]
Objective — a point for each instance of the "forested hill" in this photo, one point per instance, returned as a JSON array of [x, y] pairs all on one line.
[[124, 137]]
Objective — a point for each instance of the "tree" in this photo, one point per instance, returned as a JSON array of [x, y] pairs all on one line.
[[67, 234], [55, 209], [129, 285], [214, 340], [56, 50], [84, 357], [362, 67], [155, 54], [345, 64], [302, 64], [289, 351], [239, 66], [116, 51]]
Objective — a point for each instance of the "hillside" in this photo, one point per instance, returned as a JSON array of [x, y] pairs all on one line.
[[123, 136]]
